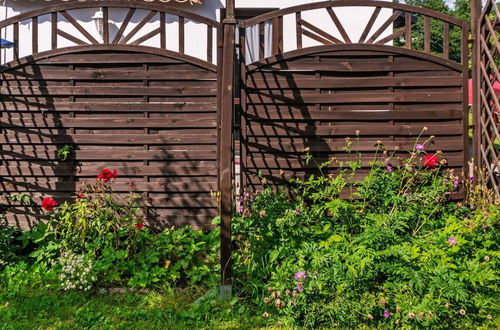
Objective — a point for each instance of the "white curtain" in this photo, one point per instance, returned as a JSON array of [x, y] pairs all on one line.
[[252, 42]]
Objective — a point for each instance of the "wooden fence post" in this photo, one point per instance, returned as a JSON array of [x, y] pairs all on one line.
[[476, 8], [226, 138]]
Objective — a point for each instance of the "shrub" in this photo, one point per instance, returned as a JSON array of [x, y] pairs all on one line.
[[398, 253], [101, 238], [9, 247]]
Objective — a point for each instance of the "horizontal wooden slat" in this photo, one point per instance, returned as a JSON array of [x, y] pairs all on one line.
[[282, 81], [339, 145], [107, 90], [104, 139], [444, 114], [48, 73], [276, 162], [351, 65], [170, 168], [340, 129], [174, 121], [207, 153], [284, 98], [105, 106], [49, 186]]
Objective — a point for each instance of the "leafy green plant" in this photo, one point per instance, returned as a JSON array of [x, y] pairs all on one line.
[[398, 253], [64, 152]]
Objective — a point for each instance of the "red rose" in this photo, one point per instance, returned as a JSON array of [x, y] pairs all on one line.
[[107, 174], [139, 225], [48, 204], [431, 161], [80, 195]]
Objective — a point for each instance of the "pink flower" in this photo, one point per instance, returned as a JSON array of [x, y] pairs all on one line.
[[300, 276], [48, 204], [387, 314], [452, 240], [389, 168], [297, 211], [420, 147], [299, 287], [106, 175]]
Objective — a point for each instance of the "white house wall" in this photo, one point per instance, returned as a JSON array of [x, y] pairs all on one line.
[[353, 19]]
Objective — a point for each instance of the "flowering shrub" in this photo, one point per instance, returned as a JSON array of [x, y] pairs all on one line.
[[106, 242], [48, 204], [76, 272], [398, 254]]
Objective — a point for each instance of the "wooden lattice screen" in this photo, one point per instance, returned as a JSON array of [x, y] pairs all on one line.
[[149, 112], [487, 97], [366, 89]]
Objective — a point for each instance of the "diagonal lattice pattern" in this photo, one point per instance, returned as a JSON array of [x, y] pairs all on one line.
[[488, 96]]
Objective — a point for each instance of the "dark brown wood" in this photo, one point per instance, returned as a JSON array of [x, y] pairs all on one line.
[[181, 35], [369, 25], [108, 125], [138, 27], [123, 26], [298, 27], [350, 3], [163, 31], [408, 36], [427, 34], [226, 137], [210, 43], [71, 37], [54, 30], [446, 40], [105, 34], [314, 98], [80, 28], [34, 35], [147, 36], [319, 32], [339, 26], [16, 40], [384, 26]]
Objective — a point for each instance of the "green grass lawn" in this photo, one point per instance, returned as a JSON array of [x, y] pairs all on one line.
[[45, 309]]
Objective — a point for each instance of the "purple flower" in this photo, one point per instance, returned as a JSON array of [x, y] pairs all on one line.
[[389, 168], [452, 240], [387, 314], [300, 276], [485, 227], [471, 179], [456, 183], [420, 147], [299, 287], [297, 211], [242, 209]]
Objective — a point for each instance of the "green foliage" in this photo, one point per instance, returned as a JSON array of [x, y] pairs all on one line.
[[9, 249], [63, 152], [397, 254]]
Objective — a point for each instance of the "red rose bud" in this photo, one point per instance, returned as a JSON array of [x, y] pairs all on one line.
[[139, 225], [106, 175], [48, 204]]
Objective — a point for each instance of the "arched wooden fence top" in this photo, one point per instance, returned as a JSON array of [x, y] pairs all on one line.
[[372, 33], [122, 37]]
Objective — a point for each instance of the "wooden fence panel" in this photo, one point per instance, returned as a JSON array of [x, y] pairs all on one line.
[[150, 116], [322, 99]]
